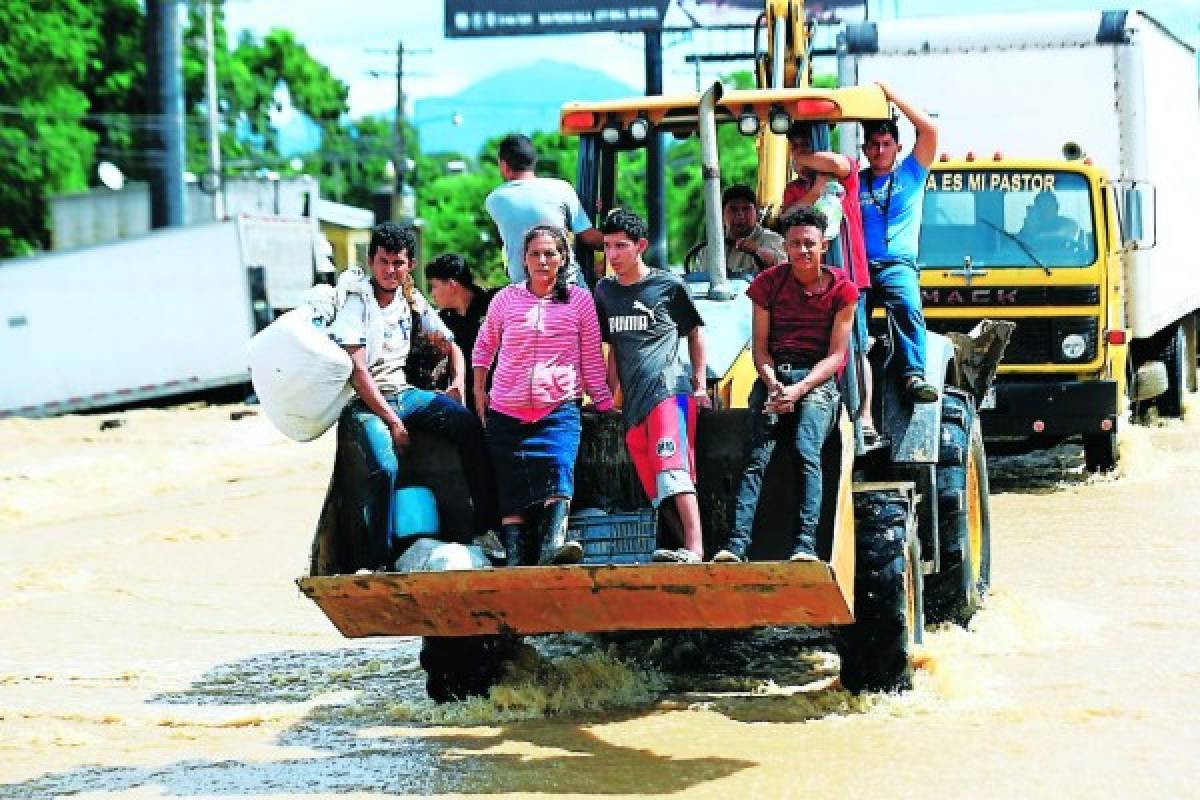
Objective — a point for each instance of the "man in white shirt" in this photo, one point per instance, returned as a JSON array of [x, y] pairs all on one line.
[[376, 328]]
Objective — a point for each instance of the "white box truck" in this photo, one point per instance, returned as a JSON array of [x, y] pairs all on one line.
[[1095, 114], [162, 314]]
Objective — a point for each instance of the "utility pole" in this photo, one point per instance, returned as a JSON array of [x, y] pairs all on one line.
[[402, 211], [398, 156], [656, 194], [210, 89], [164, 73]]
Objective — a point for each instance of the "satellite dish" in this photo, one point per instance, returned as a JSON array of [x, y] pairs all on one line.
[[110, 175]]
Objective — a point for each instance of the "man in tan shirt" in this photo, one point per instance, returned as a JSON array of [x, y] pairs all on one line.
[[749, 247]]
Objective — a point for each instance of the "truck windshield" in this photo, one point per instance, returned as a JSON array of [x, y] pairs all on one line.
[[1007, 218]]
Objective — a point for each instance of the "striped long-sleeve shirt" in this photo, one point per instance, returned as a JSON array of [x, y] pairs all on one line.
[[548, 352]]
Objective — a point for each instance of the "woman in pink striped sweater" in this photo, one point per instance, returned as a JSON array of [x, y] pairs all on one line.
[[547, 338]]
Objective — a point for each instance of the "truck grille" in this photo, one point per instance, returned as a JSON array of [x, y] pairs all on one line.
[[1035, 341], [959, 296]]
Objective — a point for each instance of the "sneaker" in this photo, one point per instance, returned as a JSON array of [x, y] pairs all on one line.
[[802, 554], [569, 553], [725, 556], [680, 556], [919, 390]]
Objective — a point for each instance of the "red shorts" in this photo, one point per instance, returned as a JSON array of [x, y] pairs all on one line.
[[663, 448]]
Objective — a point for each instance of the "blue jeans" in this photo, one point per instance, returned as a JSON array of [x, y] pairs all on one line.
[[806, 429], [896, 284], [419, 410]]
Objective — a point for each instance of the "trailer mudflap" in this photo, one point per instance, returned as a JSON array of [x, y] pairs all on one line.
[[585, 599]]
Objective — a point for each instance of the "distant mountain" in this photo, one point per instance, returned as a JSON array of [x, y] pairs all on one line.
[[524, 99]]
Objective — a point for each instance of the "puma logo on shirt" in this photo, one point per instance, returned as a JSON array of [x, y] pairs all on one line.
[[638, 305], [633, 322]]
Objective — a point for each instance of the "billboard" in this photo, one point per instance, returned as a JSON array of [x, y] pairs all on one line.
[[466, 18]]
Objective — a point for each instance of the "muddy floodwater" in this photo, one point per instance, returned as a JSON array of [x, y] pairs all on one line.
[[153, 644]]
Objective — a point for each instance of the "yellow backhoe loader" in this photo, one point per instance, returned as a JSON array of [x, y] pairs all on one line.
[[905, 529]]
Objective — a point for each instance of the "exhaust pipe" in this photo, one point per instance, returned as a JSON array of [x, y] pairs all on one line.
[[779, 36], [714, 228]]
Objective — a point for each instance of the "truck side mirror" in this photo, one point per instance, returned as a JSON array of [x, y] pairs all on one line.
[[1138, 215]]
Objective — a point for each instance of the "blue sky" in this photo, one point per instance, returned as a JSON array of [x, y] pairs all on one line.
[[347, 37]]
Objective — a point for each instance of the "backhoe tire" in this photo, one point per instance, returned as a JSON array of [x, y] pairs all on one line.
[[461, 667], [955, 592], [876, 649], [1175, 355]]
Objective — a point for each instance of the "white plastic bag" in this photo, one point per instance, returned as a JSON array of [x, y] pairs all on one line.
[[431, 555], [300, 375]]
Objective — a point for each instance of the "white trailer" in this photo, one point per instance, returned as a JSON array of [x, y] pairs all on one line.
[[287, 250], [161, 314], [1114, 86]]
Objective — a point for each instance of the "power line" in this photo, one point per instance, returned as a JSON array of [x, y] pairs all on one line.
[[107, 117]]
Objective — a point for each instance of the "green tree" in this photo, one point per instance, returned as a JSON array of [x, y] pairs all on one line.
[[351, 162], [44, 58], [247, 77], [257, 68], [457, 222], [73, 89], [115, 85]]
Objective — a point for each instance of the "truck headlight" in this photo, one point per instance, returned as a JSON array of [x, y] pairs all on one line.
[[1074, 345]]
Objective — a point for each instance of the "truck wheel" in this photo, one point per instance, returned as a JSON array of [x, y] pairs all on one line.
[[460, 667], [875, 650], [1100, 452], [1175, 356], [955, 592]]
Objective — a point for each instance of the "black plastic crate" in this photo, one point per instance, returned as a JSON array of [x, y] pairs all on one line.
[[625, 537]]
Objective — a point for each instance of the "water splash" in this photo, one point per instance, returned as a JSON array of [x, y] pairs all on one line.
[[536, 687]]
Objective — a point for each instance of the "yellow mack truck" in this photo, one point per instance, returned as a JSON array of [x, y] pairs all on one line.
[[1065, 203]]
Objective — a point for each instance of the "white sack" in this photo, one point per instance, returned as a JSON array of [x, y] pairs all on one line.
[[430, 555], [300, 375]]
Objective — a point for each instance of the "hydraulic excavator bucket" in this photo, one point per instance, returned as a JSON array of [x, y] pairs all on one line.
[[584, 599]]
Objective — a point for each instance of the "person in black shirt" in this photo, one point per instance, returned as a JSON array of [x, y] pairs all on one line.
[[461, 302]]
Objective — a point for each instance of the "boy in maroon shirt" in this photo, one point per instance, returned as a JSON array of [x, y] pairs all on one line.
[[803, 313]]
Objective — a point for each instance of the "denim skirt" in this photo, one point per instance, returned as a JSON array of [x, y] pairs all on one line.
[[534, 460]]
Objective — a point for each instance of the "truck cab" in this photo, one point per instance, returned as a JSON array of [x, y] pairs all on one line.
[[1037, 242]]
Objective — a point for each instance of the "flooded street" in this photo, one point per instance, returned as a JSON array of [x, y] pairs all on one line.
[[153, 644]]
